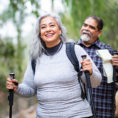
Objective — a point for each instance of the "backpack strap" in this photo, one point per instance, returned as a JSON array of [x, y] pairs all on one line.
[[70, 51], [72, 56], [33, 64]]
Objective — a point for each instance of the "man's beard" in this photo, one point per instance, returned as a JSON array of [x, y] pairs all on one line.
[[85, 36]]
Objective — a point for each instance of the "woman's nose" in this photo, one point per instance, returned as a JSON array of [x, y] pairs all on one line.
[[48, 29]]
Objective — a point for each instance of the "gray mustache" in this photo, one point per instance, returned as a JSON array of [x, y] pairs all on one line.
[[86, 32]]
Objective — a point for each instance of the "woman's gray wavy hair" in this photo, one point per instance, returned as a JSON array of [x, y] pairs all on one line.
[[37, 45]]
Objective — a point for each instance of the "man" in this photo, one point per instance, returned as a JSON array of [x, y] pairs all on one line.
[[104, 94]]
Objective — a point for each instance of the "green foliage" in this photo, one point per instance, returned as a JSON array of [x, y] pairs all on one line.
[[8, 50], [10, 61]]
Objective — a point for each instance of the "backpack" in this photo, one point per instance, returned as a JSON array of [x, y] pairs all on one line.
[[73, 59]]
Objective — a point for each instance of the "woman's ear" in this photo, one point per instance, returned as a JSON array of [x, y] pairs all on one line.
[[60, 32], [39, 35]]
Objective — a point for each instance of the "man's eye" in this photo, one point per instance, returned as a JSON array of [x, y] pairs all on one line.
[[85, 25], [92, 27]]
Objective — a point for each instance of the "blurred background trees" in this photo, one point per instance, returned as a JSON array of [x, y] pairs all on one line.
[[14, 50]]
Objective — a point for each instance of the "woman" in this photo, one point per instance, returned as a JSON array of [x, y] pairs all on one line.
[[55, 81]]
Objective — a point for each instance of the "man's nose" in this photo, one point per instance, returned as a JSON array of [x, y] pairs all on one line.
[[87, 28]]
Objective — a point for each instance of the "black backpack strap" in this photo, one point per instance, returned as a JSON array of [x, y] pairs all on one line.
[[33, 64], [70, 51], [72, 56]]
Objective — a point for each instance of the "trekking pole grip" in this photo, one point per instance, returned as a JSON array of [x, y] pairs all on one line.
[[12, 76], [87, 74]]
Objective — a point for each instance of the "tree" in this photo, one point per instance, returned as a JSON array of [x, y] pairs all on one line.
[[12, 54]]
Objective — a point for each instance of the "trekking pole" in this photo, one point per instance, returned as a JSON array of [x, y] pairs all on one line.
[[89, 90], [114, 86], [11, 96]]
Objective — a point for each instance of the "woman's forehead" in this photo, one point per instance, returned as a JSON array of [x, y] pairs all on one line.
[[48, 19]]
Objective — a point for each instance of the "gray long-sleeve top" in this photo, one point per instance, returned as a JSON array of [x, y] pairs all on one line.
[[56, 84]]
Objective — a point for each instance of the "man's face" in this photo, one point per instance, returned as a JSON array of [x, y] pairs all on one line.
[[89, 31]]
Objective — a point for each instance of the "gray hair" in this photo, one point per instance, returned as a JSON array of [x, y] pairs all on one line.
[[100, 23], [37, 44]]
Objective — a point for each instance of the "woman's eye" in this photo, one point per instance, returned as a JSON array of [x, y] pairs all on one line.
[[42, 27], [52, 25]]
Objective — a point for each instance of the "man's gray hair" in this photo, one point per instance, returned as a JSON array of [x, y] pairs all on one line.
[[37, 44]]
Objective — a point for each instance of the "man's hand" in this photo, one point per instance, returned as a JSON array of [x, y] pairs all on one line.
[[115, 60]]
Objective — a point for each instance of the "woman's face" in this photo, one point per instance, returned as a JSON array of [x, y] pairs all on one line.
[[50, 31]]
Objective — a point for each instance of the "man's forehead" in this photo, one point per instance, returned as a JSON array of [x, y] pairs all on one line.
[[91, 21]]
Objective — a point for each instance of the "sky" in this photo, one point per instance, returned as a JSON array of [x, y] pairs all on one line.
[[46, 6], [9, 29]]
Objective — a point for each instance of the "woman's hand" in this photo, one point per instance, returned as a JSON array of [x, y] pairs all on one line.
[[10, 84], [87, 65]]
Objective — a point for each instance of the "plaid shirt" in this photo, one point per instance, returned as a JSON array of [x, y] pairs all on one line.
[[103, 94]]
